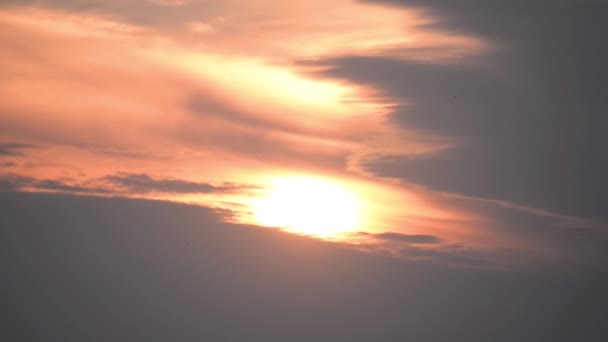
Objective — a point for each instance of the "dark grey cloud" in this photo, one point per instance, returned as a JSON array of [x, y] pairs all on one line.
[[122, 183], [13, 182], [99, 269], [9, 184], [143, 183], [435, 250], [413, 239], [399, 237], [529, 117], [12, 149], [418, 246], [500, 20], [62, 186], [461, 257]]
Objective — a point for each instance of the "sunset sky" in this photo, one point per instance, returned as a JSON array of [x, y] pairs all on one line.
[[463, 134]]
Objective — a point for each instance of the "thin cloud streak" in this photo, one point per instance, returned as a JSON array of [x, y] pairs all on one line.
[[123, 183], [14, 149]]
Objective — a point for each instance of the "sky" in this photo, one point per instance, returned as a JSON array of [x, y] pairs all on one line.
[[455, 142]]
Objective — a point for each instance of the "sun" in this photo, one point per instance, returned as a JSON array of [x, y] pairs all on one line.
[[310, 206]]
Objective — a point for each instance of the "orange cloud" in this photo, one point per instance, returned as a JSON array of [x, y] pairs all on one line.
[[219, 99]]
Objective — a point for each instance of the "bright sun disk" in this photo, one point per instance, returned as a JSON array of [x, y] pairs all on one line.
[[309, 206]]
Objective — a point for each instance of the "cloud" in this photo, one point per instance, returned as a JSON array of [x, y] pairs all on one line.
[[413, 239], [209, 113], [383, 96], [8, 164], [460, 257], [13, 149], [519, 158], [437, 250], [122, 183], [280, 30], [13, 182], [399, 237], [143, 184], [125, 269], [525, 119]]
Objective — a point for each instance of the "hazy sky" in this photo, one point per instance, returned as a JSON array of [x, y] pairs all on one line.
[[466, 134], [453, 135], [479, 124], [98, 269]]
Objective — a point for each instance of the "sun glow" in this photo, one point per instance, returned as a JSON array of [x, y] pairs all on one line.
[[309, 206]]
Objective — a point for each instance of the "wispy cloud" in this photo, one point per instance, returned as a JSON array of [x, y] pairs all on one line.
[[430, 112], [400, 238], [143, 184], [14, 149], [122, 183]]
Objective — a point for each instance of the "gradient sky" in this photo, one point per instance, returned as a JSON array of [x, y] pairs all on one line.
[[465, 141]]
